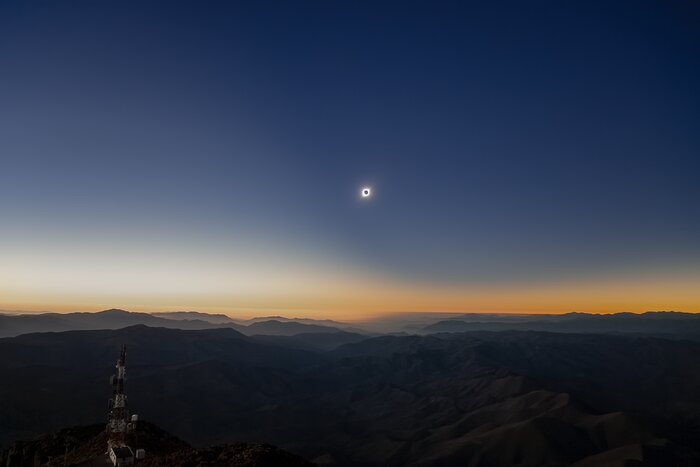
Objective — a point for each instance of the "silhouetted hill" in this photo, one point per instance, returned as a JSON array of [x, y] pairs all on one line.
[[15, 325], [317, 322], [338, 325], [155, 347], [483, 398], [195, 315], [666, 324]]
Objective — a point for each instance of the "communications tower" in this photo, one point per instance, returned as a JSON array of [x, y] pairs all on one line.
[[118, 422]]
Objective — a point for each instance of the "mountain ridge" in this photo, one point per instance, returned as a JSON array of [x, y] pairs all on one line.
[[14, 325], [389, 400]]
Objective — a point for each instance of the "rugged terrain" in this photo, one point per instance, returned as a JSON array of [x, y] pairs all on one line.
[[85, 446], [477, 398]]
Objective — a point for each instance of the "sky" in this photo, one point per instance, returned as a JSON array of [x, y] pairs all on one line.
[[523, 156]]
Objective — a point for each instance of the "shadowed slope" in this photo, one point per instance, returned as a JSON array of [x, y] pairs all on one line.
[[509, 398]]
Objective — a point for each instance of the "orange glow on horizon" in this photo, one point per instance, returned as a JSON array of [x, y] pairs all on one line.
[[367, 301], [256, 276]]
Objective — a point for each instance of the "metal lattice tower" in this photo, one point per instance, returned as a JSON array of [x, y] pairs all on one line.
[[118, 422]]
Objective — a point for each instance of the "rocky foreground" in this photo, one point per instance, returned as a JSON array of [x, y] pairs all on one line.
[[85, 446]]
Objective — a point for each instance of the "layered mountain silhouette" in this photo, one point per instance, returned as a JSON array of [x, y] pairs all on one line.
[[662, 324], [478, 398], [16, 324], [195, 315]]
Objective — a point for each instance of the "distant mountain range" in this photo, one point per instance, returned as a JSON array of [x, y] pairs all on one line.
[[321, 322], [16, 324], [668, 324], [482, 399], [195, 315]]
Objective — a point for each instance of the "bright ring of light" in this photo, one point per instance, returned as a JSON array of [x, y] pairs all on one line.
[[365, 192]]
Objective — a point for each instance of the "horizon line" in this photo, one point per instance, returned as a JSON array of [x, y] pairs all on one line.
[[372, 317]]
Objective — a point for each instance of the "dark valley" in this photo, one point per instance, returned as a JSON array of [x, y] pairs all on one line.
[[479, 398]]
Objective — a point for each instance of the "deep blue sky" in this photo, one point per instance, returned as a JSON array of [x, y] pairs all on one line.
[[507, 142]]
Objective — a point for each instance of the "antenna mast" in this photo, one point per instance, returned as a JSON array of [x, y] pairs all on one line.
[[118, 414]]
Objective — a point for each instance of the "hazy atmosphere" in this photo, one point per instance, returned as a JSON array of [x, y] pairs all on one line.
[[522, 158]]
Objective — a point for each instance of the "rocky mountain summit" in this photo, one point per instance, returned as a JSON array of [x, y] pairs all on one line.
[[84, 446]]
